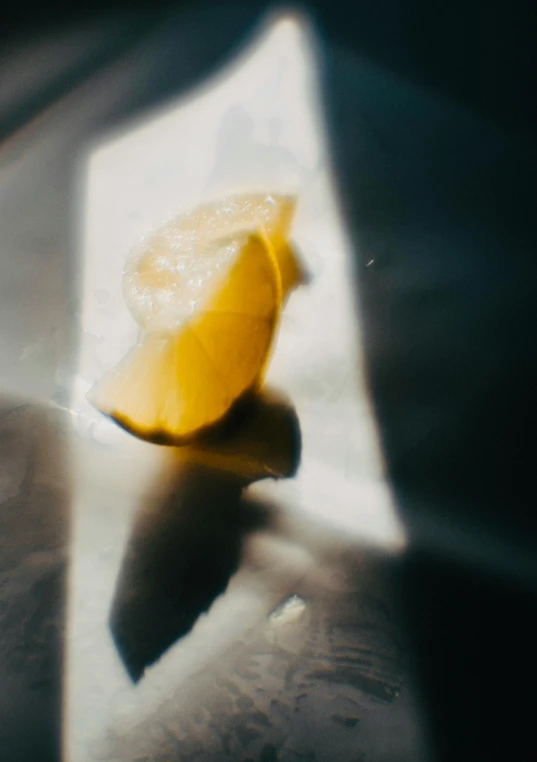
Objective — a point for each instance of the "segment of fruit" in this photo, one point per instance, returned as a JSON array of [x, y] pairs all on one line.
[[167, 278], [173, 385]]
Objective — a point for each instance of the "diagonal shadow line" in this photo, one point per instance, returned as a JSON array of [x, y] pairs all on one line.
[[185, 547], [98, 58]]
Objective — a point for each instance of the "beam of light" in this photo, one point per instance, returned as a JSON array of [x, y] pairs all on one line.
[[258, 125]]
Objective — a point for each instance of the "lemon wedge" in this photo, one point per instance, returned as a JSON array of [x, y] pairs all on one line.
[[174, 384], [171, 272]]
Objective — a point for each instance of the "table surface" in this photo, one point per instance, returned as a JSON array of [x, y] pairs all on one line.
[[313, 650]]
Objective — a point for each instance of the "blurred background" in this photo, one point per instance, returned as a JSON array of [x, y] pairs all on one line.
[[430, 109]]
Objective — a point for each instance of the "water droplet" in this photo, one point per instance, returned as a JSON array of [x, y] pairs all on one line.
[[288, 611]]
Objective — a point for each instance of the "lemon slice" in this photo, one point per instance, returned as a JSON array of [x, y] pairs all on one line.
[[172, 271], [174, 384]]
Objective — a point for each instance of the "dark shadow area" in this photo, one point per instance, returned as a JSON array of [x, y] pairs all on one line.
[[138, 56], [45, 69], [34, 523], [472, 640], [441, 207], [481, 54], [183, 551]]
